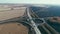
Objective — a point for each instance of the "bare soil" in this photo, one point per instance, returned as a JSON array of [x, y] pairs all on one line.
[[13, 28], [8, 14]]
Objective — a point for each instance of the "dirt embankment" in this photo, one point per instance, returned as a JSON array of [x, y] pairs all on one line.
[[54, 19]]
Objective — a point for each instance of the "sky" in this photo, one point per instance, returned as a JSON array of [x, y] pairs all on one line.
[[55, 2]]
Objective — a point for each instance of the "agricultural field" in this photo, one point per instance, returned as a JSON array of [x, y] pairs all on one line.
[[9, 13]]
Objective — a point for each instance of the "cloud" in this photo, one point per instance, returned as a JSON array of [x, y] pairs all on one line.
[[57, 2]]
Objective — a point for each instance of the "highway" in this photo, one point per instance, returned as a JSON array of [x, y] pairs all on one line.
[[45, 26], [33, 23]]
